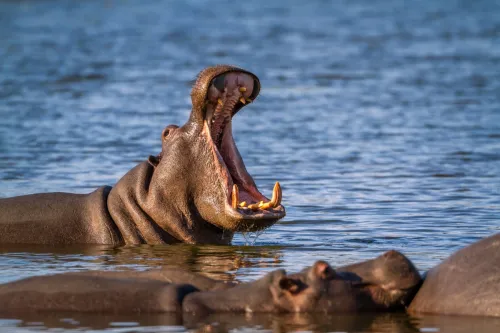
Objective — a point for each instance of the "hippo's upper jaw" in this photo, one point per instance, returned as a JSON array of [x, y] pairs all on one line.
[[198, 189]]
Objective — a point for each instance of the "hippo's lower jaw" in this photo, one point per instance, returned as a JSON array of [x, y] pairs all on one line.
[[245, 205]]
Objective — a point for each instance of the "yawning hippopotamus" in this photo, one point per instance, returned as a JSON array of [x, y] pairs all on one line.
[[467, 283], [381, 284], [197, 190]]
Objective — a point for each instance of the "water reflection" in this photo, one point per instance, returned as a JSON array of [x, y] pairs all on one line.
[[227, 263], [278, 323], [380, 120], [220, 323], [304, 322]]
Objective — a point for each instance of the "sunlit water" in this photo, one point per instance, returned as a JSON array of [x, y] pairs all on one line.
[[381, 121]]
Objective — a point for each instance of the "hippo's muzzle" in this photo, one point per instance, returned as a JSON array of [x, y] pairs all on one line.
[[227, 93]]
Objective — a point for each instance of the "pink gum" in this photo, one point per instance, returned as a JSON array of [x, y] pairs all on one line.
[[232, 82]]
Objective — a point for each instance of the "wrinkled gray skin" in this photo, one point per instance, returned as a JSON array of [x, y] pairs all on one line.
[[467, 283], [315, 289], [181, 195]]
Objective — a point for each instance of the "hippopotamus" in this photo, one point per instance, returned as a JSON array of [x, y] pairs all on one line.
[[466, 283], [197, 190], [369, 286], [386, 283]]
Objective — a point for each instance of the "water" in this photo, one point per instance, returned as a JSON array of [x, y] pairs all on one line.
[[381, 122]]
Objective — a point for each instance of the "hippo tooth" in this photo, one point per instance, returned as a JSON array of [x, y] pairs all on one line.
[[254, 206], [249, 100], [219, 101], [243, 204], [276, 199], [267, 205], [242, 100], [243, 89], [235, 196]]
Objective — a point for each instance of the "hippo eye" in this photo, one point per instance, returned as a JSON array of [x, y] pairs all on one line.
[[218, 82]]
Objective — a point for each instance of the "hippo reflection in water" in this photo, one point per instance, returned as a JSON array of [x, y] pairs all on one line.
[[386, 283], [197, 190], [467, 283]]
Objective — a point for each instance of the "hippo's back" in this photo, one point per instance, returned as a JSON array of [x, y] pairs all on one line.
[[57, 218], [467, 283]]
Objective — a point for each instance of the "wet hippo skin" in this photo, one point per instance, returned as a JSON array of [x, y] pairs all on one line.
[[467, 283], [197, 190]]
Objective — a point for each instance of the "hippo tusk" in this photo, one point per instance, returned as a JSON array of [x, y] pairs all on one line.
[[235, 196], [276, 199]]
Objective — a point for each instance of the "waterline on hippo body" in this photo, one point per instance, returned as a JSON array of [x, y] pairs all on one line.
[[197, 190], [318, 288]]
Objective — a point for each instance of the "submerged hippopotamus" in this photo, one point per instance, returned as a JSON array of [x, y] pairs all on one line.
[[467, 283], [197, 190], [384, 283]]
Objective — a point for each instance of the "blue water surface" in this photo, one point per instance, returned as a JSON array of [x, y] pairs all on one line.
[[381, 120]]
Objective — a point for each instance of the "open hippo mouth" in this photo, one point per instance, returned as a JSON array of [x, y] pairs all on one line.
[[226, 94]]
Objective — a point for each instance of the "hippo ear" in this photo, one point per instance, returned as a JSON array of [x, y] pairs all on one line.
[[290, 285], [153, 160], [322, 270]]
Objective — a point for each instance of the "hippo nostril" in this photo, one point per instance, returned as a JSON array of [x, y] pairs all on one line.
[[219, 81], [167, 130]]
